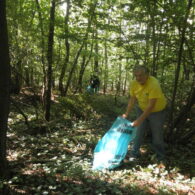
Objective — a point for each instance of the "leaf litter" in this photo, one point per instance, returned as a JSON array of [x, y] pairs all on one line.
[[60, 162]]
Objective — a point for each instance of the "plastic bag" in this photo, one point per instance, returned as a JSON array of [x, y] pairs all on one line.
[[112, 148], [90, 90]]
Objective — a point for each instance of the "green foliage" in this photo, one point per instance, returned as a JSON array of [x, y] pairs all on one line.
[[109, 105], [131, 30], [60, 161], [145, 32], [74, 106]]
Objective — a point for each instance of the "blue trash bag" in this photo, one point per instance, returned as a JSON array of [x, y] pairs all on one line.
[[112, 148]]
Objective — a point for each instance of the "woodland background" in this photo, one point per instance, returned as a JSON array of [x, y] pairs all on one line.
[[48, 51]]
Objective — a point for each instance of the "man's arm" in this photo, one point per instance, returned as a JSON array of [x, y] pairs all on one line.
[[146, 113], [130, 106]]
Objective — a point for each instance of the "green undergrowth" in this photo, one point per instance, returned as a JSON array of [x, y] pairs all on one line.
[[58, 160], [109, 106]]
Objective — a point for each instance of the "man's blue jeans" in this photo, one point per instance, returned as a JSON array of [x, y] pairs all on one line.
[[155, 122]]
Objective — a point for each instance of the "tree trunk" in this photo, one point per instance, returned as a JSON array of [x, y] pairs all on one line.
[[27, 77], [96, 61], [49, 61], [4, 86], [66, 61], [81, 72], [32, 80], [106, 66], [16, 82], [180, 52], [147, 48], [190, 51], [119, 82], [91, 11], [152, 9], [72, 70], [126, 77], [183, 115], [83, 67], [42, 51]]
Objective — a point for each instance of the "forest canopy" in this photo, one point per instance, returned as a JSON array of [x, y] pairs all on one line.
[[60, 44]]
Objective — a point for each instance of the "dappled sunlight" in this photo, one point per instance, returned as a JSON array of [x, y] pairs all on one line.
[[61, 161], [69, 69]]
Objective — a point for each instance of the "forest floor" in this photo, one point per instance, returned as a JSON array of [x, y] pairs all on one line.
[[56, 157]]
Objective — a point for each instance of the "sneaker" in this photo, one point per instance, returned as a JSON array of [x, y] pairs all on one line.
[[133, 157], [130, 159]]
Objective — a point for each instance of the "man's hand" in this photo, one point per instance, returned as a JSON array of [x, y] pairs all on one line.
[[136, 123], [124, 115]]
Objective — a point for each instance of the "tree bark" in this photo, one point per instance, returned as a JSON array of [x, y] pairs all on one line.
[[154, 37], [66, 61], [180, 53], [183, 115], [42, 51], [72, 70], [106, 67], [49, 61], [96, 47], [82, 70], [91, 11], [4, 86], [126, 77]]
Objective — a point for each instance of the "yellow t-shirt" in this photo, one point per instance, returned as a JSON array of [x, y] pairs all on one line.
[[151, 89]]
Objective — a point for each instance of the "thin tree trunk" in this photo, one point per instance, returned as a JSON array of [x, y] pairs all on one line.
[[82, 70], [27, 77], [106, 66], [66, 61], [180, 53], [152, 9], [147, 49], [182, 117], [42, 51], [72, 70], [91, 11], [190, 55], [158, 47], [19, 80], [4, 87], [126, 76], [119, 79], [49, 59], [32, 77], [83, 67], [96, 61]]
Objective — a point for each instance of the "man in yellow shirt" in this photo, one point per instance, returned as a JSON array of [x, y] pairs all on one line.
[[146, 91]]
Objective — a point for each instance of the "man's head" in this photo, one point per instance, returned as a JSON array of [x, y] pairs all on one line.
[[141, 74]]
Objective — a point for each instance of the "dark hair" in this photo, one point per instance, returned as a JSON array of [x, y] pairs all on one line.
[[140, 67]]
